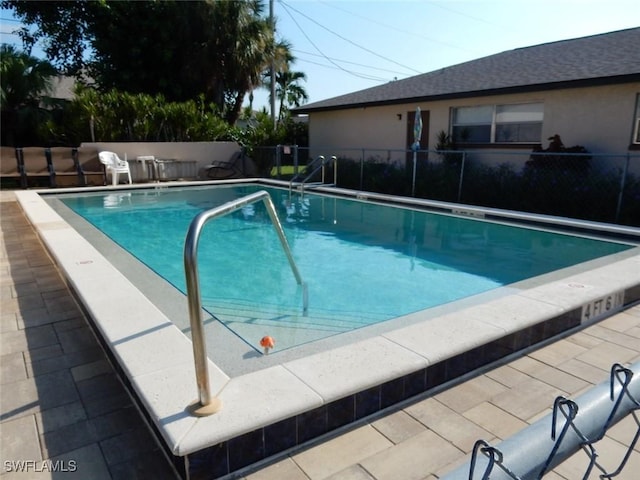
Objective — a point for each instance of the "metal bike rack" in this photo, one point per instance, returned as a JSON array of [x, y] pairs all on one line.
[[206, 404]]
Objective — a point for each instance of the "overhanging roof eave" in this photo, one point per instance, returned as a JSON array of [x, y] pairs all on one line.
[[478, 93]]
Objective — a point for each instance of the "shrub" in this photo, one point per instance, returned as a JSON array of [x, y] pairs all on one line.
[[558, 157]]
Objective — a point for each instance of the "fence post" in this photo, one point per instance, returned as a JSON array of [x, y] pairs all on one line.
[[362, 170], [278, 160], [464, 156], [623, 180]]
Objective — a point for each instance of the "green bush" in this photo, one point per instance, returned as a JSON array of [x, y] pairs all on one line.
[[125, 117]]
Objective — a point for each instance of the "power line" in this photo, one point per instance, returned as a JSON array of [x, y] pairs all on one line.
[[306, 60], [401, 30], [342, 37], [472, 17], [350, 63], [366, 77]]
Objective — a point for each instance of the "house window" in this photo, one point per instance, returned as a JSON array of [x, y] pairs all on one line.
[[472, 124], [520, 123], [636, 129]]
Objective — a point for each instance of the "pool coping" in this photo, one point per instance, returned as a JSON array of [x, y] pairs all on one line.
[[157, 358]]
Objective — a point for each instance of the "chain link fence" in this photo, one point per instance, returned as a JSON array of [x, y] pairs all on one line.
[[573, 426], [586, 186]]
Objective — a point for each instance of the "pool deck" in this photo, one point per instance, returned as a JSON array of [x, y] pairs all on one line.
[[61, 398]]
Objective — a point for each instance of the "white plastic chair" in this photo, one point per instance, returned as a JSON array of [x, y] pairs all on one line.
[[115, 165]]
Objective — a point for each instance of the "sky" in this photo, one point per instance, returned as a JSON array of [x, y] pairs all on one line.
[[343, 46]]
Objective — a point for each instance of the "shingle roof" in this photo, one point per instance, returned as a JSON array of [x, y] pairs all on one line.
[[605, 58]]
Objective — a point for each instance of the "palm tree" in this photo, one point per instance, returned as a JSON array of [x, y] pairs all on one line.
[[242, 46], [174, 48], [24, 82], [289, 92]]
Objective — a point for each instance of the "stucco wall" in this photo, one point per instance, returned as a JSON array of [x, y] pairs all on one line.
[[599, 118]]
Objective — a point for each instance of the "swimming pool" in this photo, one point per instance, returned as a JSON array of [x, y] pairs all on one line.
[[363, 263], [277, 402]]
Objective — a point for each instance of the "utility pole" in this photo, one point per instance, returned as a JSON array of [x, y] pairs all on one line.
[[273, 66]]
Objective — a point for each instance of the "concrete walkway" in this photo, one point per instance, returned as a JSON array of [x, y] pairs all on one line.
[[63, 407]]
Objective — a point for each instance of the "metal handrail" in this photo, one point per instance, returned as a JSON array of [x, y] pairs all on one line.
[[206, 404], [323, 163], [319, 158], [333, 159]]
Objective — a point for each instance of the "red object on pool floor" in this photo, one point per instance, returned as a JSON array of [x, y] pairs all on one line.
[[267, 343]]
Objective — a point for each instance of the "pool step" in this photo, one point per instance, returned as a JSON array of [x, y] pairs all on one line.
[[280, 314], [290, 328]]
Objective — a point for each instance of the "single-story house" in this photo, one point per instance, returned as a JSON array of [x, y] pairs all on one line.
[[587, 90]]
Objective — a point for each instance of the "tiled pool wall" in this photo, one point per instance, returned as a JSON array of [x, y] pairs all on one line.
[[240, 452], [177, 462]]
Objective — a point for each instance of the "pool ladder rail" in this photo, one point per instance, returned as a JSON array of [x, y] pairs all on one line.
[[206, 404], [319, 163]]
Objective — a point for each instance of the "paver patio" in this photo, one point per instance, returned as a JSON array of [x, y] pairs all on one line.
[[61, 399]]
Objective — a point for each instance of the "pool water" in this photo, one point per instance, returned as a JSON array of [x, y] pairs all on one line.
[[363, 263]]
